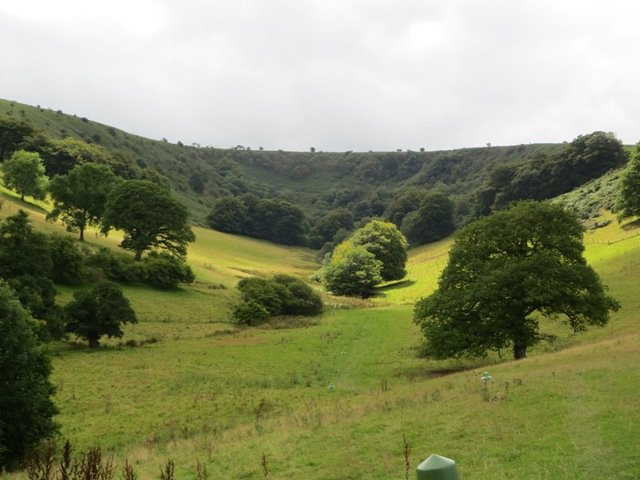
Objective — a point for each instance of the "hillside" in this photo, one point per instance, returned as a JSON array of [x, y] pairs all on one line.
[[364, 182], [333, 399]]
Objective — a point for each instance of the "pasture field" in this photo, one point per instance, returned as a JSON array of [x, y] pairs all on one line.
[[331, 398]]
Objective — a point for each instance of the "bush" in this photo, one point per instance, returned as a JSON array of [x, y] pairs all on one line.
[[281, 295], [166, 271], [250, 313]]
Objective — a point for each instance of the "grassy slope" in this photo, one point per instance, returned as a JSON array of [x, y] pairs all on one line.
[[193, 396]]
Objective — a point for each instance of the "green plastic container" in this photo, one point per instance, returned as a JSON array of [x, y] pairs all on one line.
[[437, 468]]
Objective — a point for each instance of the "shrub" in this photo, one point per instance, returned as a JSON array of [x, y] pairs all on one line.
[[166, 271], [250, 313], [281, 295]]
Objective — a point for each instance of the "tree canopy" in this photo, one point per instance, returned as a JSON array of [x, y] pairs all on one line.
[[24, 172], [504, 272], [432, 221], [14, 135], [97, 311], [355, 272], [628, 202], [79, 197], [149, 216], [387, 244], [26, 408]]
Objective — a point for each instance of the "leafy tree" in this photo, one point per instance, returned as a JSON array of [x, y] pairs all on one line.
[[97, 311], [67, 259], [14, 135], [149, 216], [355, 272], [278, 221], [229, 214], [504, 272], [24, 172], [79, 197], [26, 263], [405, 203], [387, 244], [22, 250], [431, 222], [325, 229], [26, 408], [628, 202], [60, 156]]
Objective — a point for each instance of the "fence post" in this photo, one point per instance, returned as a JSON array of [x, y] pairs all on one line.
[[437, 468]]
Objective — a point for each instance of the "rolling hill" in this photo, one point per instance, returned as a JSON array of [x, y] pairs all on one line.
[[332, 399]]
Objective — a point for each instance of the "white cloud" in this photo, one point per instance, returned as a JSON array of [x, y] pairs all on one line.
[[336, 74]]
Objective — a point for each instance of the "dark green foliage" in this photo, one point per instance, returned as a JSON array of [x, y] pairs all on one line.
[[158, 268], [354, 273], [166, 271], [432, 221], [302, 299], [282, 295], [26, 263], [275, 220], [23, 251], [67, 260], [197, 182], [15, 134], [269, 294], [628, 204], [250, 313], [116, 266], [326, 228], [278, 221], [387, 244], [61, 156], [24, 173], [26, 408], [545, 176], [502, 270], [403, 204], [79, 197], [97, 311], [149, 217], [229, 214]]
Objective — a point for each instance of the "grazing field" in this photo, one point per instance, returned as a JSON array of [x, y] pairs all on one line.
[[333, 397]]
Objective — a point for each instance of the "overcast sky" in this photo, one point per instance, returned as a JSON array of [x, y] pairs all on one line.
[[334, 74]]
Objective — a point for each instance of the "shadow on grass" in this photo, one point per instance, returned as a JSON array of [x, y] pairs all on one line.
[[22, 203], [631, 225], [395, 285]]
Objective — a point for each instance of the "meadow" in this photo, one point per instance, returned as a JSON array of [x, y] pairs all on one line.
[[333, 398]]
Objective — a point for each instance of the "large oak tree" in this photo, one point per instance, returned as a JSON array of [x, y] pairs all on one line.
[[79, 197], [505, 272], [149, 216]]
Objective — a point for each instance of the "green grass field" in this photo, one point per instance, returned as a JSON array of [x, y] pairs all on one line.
[[332, 399]]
